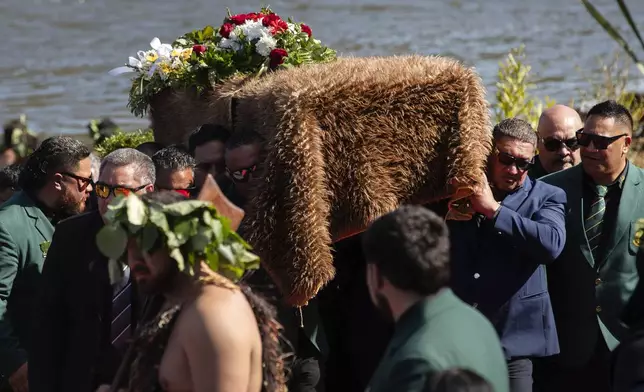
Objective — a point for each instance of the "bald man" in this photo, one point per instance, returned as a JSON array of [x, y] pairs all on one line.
[[558, 148]]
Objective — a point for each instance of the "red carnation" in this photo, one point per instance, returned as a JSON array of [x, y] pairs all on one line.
[[277, 57], [199, 49], [226, 29], [306, 29], [275, 23]]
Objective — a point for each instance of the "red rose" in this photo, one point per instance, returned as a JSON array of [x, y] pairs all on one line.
[[275, 23], [199, 49], [226, 29], [241, 18], [277, 57], [306, 29]]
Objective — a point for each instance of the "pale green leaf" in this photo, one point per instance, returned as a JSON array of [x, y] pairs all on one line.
[[149, 237], [112, 241], [178, 257], [136, 212], [185, 207]]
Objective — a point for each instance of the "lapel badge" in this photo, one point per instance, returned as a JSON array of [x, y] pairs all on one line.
[[44, 247], [639, 231]]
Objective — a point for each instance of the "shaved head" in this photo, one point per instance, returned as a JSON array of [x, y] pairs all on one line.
[[558, 124]]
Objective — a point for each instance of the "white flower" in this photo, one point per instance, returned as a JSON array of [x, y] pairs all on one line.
[[254, 29], [136, 63], [163, 50], [291, 28], [265, 44], [229, 43]]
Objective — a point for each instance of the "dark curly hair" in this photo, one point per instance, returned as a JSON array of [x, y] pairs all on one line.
[[410, 246], [58, 153]]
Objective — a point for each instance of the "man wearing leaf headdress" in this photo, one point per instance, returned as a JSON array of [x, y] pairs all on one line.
[[210, 334]]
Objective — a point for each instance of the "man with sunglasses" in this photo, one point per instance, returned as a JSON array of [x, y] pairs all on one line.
[[175, 171], [55, 181], [302, 329], [207, 144], [86, 314], [558, 147], [498, 256], [596, 274]]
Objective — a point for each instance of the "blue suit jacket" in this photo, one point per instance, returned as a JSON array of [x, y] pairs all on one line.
[[497, 266]]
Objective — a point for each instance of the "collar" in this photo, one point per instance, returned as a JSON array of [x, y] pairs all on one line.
[[421, 313], [618, 183], [51, 214]]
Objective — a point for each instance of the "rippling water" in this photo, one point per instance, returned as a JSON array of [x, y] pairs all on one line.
[[56, 53]]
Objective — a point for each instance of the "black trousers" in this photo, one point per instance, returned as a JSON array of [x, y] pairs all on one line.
[[594, 376], [520, 373]]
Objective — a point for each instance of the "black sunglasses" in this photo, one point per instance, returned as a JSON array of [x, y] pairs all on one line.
[[242, 175], [104, 190], [84, 181], [509, 160], [552, 144], [599, 142]]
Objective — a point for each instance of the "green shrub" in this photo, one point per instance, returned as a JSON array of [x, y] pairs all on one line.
[[122, 139], [514, 83]]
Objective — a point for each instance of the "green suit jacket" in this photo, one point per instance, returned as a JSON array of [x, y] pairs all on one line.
[[24, 231], [588, 295], [437, 334]]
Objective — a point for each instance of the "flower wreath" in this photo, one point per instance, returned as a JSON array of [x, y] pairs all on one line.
[[190, 230], [244, 44]]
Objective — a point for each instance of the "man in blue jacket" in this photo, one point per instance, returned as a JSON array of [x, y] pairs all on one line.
[[498, 257]]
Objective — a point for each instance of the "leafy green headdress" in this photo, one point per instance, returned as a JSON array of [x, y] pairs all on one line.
[[191, 230]]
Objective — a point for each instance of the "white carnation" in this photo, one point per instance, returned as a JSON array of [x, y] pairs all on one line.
[[291, 28], [265, 45], [253, 29]]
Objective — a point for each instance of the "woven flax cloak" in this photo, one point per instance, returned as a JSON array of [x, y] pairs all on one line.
[[346, 142]]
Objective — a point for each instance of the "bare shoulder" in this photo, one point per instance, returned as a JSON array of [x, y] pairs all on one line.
[[217, 313]]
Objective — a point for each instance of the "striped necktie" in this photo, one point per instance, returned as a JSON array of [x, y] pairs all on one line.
[[595, 219], [122, 313]]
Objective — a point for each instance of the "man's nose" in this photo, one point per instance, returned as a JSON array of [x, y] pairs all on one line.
[[512, 169]]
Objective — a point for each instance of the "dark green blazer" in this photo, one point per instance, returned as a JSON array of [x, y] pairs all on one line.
[[24, 232], [588, 296], [436, 334]]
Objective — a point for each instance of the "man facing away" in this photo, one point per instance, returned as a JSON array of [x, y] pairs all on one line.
[[407, 254], [557, 144], [596, 273], [56, 181], [498, 257], [175, 171], [83, 319]]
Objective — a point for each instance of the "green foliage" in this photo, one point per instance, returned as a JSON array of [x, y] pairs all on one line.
[[190, 231], [613, 85], [513, 97], [23, 140], [612, 31], [122, 139]]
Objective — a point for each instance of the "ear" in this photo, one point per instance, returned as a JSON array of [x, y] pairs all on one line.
[[149, 188], [374, 277], [628, 139], [58, 181]]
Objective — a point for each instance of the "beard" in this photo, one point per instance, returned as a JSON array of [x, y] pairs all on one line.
[[69, 206], [161, 283], [383, 308]]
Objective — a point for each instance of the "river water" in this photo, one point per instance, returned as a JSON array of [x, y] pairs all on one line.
[[56, 53]]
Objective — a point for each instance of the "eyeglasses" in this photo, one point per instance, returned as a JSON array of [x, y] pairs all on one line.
[[104, 190], [84, 181], [509, 160], [242, 175], [187, 192], [552, 144], [599, 142]]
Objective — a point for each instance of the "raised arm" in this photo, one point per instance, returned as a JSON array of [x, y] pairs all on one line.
[[544, 234], [12, 355], [217, 335]]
